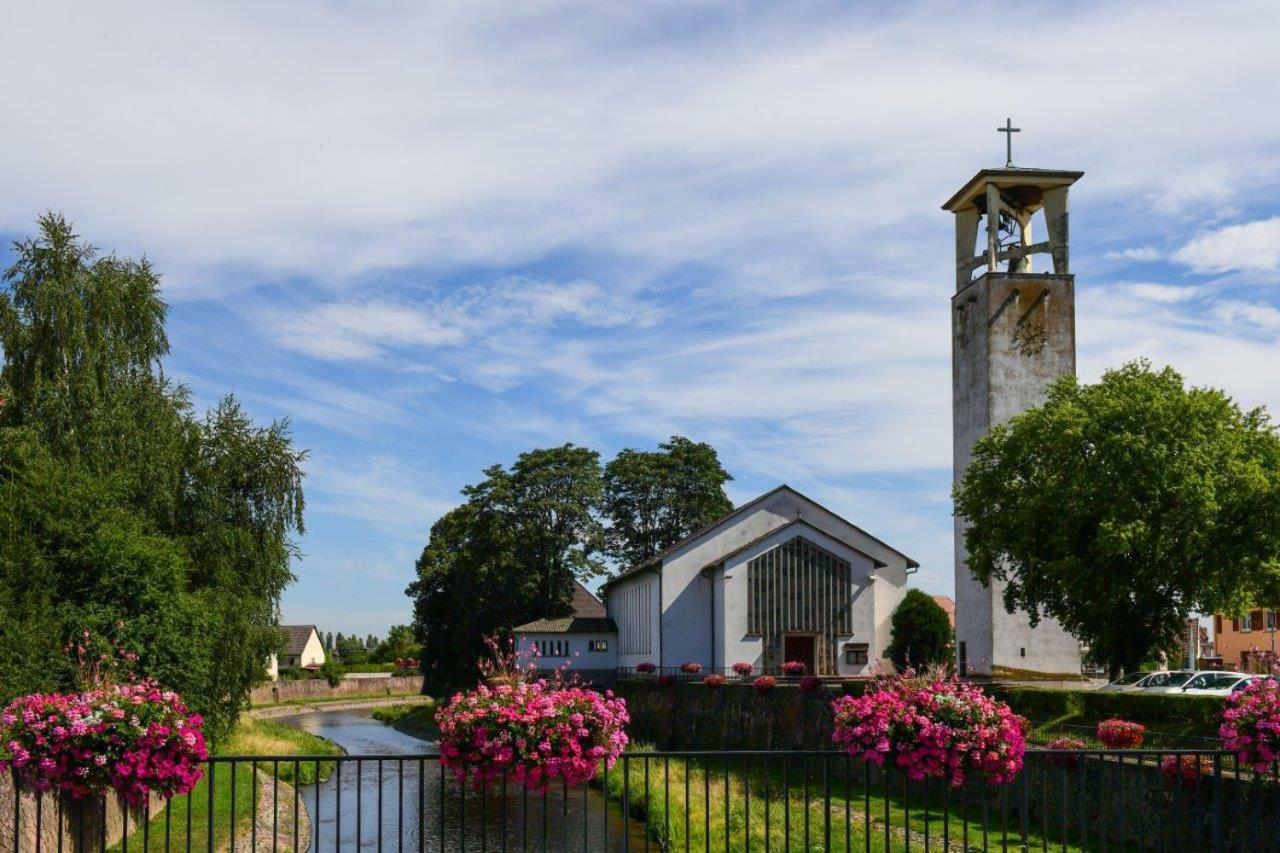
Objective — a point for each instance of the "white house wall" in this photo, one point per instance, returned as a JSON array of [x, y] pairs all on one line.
[[312, 652], [576, 650], [634, 607], [733, 597]]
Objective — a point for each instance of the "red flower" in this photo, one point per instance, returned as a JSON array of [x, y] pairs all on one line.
[[691, 667], [743, 668], [1116, 733], [645, 667], [666, 680], [764, 683], [794, 668], [714, 680]]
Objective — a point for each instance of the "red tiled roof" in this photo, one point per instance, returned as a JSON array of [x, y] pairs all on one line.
[[945, 602]]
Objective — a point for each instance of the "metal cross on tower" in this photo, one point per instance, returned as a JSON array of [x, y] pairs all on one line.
[[1008, 130]]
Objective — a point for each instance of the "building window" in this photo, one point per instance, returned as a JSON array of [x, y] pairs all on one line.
[[855, 654], [1271, 620], [1217, 626], [1246, 624], [1255, 620], [598, 645]]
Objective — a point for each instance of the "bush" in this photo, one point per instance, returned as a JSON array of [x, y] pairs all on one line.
[[1251, 725], [743, 668], [714, 680], [922, 633], [794, 668], [332, 672], [1120, 734], [764, 683]]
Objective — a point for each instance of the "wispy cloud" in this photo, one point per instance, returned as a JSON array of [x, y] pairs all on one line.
[[1142, 254], [1249, 247]]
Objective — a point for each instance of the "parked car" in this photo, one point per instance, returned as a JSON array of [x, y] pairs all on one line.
[[1215, 683], [1170, 682], [1127, 683]]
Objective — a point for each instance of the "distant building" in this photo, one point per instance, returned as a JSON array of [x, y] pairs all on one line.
[[585, 641], [302, 648], [948, 606], [1238, 638]]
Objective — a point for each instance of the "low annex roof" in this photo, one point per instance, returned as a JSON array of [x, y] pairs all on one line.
[[656, 559], [587, 617]]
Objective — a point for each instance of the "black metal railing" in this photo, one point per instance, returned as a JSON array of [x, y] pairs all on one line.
[[653, 800]]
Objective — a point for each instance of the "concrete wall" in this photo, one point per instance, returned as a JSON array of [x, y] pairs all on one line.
[[576, 647], [1012, 335], [315, 688], [81, 823]]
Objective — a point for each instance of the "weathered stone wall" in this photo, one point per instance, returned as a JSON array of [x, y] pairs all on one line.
[[734, 716], [287, 691], [42, 825]]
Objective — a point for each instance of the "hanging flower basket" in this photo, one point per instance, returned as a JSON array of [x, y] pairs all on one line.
[[764, 683], [931, 727], [1116, 733], [743, 668], [534, 730], [794, 668]]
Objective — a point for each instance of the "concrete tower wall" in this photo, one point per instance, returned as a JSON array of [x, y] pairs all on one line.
[[1012, 335]]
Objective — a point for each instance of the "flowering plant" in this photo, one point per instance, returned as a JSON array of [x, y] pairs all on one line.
[[1251, 724], [764, 683], [931, 726], [743, 668], [645, 667], [537, 730], [1066, 744], [1184, 770], [794, 668], [666, 680], [810, 684], [1116, 733], [714, 680], [691, 667], [135, 738]]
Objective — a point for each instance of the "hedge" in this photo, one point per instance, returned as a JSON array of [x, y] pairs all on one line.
[[1040, 704]]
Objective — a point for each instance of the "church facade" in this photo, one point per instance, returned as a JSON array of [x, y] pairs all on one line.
[[780, 578]]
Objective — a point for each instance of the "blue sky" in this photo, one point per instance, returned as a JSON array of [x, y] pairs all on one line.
[[436, 236]]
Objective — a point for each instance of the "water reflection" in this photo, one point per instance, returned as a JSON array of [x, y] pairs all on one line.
[[397, 803]]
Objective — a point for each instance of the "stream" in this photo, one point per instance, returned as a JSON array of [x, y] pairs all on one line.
[[389, 804]]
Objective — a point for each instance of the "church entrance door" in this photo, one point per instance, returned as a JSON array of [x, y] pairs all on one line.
[[801, 647]]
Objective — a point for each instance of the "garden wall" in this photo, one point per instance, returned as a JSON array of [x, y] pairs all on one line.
[[78, 824], [292, 691]]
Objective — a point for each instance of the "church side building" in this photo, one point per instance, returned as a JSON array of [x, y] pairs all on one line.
[[1013, 334], [780, 578]]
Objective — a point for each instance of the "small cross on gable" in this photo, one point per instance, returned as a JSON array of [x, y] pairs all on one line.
[[1008, 130]]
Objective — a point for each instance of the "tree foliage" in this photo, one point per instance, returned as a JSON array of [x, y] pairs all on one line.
[[922, 634], [1122, 507], [653, 499], [122, 512]]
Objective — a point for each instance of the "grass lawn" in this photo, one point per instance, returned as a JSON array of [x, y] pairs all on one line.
[[417, 720], [860, 821], [345, 697], [250, 737]]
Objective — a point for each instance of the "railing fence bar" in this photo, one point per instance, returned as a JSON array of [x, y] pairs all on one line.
[[275, 809]]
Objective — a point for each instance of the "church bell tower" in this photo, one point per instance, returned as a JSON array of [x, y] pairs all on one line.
[[1012, 334]]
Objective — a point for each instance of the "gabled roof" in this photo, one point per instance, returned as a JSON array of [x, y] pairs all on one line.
[[587, 617], [794, 523], [656, 560], [296, 637]]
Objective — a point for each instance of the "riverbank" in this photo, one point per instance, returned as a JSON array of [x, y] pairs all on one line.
[[417, 720], [356, 703]]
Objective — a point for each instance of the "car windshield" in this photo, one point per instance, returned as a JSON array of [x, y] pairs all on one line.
[[1131, 678], [1168, 679], [1212, 681]]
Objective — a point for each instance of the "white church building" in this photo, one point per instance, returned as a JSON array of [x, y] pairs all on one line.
[[780, 578]]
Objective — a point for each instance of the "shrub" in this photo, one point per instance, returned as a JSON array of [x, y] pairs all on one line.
[[691, 667], [764, 683], [810, 684], [1185, 770], [1066, 744], [794, 668], [536, 730], [921, 633], [1251, 725], [332, 672], [666, 680], [743, 668], [1116, 733], [714, 680], [931, 727], [645, 668], [134, 738]]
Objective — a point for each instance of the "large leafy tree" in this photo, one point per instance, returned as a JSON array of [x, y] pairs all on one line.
[[653, 499], [1120, 508], [122, 512], [506, 556], [921, 633]]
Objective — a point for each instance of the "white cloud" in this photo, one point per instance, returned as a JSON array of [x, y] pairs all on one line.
[[1142, 254], [1163, 293], [1257, 315], [381, 490], [1250, 247]]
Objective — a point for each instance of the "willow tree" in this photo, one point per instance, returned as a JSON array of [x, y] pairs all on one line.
[[1121, 508], [123, 512]]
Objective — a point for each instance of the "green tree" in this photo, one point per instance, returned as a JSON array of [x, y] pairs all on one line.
[[506, 556], [922, 634], [168, 531], [399, 644], [653, 499], [1120, 508]]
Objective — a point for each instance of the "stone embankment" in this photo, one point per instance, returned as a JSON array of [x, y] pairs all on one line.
[[275, 692]]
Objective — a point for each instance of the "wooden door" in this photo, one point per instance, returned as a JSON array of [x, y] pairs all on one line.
[[801, 648]]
